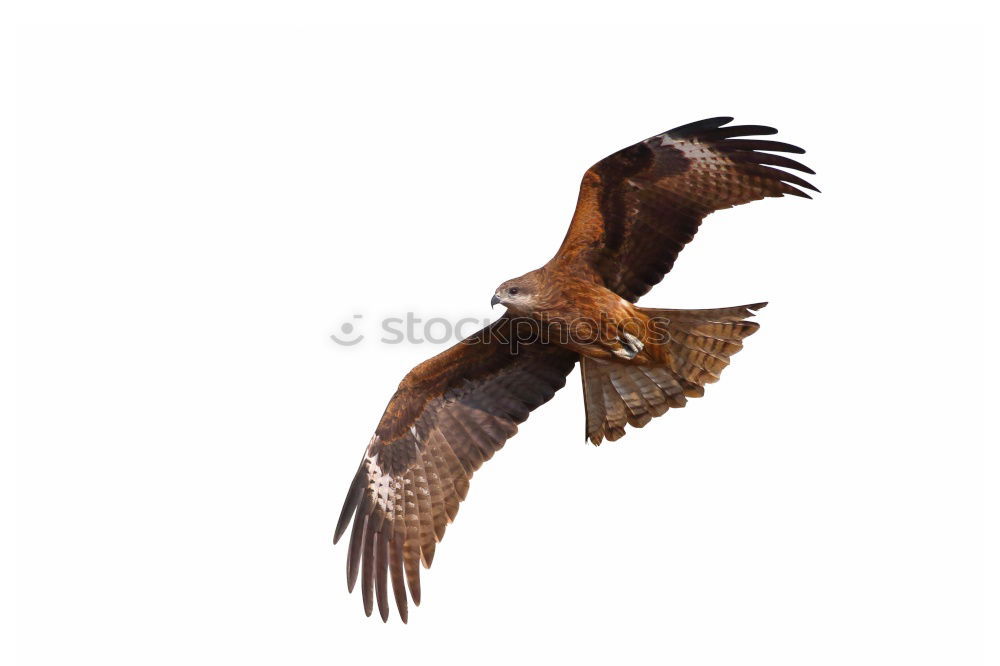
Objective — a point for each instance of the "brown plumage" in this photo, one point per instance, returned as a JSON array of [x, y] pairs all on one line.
[[636, 211]]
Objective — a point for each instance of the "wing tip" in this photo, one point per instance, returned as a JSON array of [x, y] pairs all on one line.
[[733, 141], [796, 192], [698, 126]]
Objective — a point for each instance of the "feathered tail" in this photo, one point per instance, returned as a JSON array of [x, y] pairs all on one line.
[[697, 348]]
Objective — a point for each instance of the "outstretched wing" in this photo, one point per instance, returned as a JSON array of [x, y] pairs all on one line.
[[641, 205], [449, 415]]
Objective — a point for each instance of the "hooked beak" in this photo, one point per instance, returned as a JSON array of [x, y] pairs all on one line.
[[494, 300]]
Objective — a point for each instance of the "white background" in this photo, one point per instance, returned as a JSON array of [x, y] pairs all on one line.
[[202, 199]]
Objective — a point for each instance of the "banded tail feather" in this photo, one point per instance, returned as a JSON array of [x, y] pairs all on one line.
[[698, 347]]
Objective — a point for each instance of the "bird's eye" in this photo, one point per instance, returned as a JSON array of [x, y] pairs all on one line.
[[512, 291]]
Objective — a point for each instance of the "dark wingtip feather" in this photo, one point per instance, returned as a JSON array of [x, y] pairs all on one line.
[[737, 130], [381, 571], [762, 144], [684, 131], [787, 177], [368, 570], [795, 192], [354, 551], [350, 503], [427, 554], [411, 567], [396, 575], [768, 158]]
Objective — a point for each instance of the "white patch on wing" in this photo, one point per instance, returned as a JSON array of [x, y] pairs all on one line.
[[379, 484], [693, 150]]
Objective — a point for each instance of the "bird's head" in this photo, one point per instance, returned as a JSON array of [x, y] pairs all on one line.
[[519, 294]]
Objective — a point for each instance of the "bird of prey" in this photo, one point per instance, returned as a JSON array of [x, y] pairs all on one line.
[[636, 210]]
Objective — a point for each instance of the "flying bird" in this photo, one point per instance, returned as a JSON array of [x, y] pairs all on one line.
[[636, 210]]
